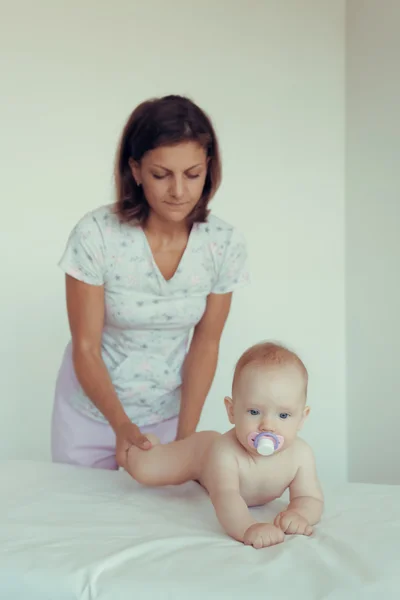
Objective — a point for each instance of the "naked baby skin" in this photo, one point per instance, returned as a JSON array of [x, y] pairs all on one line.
[[257, 460]]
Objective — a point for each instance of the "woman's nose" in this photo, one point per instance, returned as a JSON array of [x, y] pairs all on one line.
[[177, 187]]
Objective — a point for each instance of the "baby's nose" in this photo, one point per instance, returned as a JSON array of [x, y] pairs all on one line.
[[268, 425]]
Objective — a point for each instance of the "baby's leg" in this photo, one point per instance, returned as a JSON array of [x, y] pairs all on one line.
[[169, 464]]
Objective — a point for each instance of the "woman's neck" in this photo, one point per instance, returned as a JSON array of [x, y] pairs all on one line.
[[155, 226]]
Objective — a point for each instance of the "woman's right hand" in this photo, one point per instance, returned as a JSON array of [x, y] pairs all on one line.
[[128, 434]]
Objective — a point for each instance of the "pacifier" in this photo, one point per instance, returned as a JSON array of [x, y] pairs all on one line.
[[266, 443]]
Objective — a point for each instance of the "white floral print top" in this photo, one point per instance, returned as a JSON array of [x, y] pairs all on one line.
[[149, 320]]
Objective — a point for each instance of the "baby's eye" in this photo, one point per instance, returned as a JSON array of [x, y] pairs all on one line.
[[253, 412], [284, 415]]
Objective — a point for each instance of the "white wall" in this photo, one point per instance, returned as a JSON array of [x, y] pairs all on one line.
[[373, 240], [271, 74]]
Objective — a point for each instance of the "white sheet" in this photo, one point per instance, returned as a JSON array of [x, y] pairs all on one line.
[[68, 533]]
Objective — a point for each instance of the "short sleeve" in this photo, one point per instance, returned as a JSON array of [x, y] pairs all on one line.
[[233, 271], [84, 255]]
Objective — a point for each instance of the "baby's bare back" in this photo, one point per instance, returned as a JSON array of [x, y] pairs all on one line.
[[195, 453], [210, 458]]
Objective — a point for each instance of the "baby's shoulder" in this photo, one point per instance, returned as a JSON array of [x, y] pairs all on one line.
[[222, 450], [222, 443], [220, 467], [302, 451]]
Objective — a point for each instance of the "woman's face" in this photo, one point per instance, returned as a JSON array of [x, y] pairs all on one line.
[[173, 179]]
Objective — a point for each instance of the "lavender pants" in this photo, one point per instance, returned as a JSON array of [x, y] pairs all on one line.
[[79, 440]]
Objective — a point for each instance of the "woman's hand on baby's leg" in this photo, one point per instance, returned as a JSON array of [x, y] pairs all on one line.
[[141, 464], [128, 435], [291, 523], [165, 464], [262, 535]]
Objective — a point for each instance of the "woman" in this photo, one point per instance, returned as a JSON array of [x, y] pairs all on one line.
[[148, 284]]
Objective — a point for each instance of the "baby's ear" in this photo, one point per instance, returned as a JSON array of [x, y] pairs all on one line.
[[306, 412], [229, 408]]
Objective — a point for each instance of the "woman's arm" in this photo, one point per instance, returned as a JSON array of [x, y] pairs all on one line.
[[201, 362], [85, 305]]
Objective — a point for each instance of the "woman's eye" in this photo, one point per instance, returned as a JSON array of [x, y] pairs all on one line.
[[283, 415], [253, 412], [193, 176], [158, 176]]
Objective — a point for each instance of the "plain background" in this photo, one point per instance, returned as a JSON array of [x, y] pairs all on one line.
[[373, 239], [272, 77]]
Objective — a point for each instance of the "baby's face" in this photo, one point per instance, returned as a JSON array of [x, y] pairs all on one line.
[[268, 399]]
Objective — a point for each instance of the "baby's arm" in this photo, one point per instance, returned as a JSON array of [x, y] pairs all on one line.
[[223, 488], [306, 497], [231, 510]]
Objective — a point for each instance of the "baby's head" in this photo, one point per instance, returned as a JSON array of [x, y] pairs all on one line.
[[269, 394]]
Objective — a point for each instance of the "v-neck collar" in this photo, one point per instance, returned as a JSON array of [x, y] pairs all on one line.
[[182, 260]]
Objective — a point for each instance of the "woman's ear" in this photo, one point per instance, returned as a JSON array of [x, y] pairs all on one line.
[[229, 409], [135, 170]]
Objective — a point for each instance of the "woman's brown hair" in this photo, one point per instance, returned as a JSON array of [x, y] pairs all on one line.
[[163, 122]]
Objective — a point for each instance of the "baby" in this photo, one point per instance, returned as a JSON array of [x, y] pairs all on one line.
[[254, 462]]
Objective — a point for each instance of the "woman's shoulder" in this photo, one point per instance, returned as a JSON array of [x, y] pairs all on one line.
[[216, 225], [102, 216], [222, 232], [104, 222]]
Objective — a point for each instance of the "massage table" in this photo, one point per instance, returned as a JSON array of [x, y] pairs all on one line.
[[74, 533]]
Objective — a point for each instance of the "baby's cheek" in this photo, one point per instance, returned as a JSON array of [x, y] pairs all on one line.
[[289, 433], [251, 422], [248, 429], [242, 434]]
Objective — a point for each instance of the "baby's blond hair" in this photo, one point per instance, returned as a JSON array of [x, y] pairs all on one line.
[[269, 354]]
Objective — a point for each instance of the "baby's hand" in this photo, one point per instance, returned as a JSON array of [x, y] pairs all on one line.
[[262, 535], [291, 523]]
